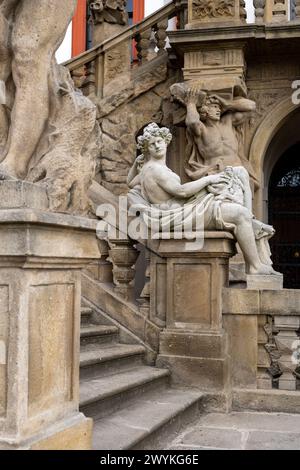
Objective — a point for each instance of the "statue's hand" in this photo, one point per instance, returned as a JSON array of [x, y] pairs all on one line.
[[195, 95], [218, 179]]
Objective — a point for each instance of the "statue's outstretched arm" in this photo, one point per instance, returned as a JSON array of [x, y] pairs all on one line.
[[174, 187]]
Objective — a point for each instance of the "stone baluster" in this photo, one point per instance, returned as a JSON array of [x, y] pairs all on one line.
[[89, 85], [287, 342], [162, 35], [143, 45], [259, 6], [264, 379], [79, 76], [144, 300], [152, 47], [123, 256], [243, 12]]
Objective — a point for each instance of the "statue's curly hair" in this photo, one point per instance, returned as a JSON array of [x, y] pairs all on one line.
[[153, 130], [204, 108]]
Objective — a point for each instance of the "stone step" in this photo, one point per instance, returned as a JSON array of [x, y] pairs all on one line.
[[105, 395], [109, 359], [86, 315], [148, 423], [91, 334]]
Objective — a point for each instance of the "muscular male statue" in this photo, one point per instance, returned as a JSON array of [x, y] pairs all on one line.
[[213, 129], [30, 33]]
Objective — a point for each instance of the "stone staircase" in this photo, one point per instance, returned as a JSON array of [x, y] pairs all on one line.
[[132, 404]]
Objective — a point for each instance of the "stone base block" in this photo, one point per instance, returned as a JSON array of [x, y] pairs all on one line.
[[204, 373], [74, 434], [271, 401], [264, 282], [191, 344]]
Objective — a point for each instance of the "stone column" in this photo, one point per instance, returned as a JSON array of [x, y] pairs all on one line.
[[41, 256], [194, 345]]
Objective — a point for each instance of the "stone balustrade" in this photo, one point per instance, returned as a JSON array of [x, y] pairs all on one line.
[[266, 356], [94, 71]]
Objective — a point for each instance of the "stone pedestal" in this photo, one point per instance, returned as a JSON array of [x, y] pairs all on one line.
[[194, 345], [41, 256]]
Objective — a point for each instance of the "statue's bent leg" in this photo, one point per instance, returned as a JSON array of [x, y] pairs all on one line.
[[243, 174], [241, 218], [38, 31]]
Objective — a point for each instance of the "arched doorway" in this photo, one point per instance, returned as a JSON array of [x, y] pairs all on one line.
[[284, 214]]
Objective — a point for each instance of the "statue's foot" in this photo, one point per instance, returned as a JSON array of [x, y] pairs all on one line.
[[6, 173], [263, 270]]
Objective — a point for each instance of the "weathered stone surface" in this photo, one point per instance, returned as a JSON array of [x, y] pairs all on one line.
[[213, 438], [202, 373], [273, 441], [280, 302], [243, 431], [52, 135], [192, 344], [265, 282], [272, 401], [242, 333], [123, 114], [241, 301]]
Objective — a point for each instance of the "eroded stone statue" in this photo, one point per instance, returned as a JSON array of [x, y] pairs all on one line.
[[48, 129], [219, 198]]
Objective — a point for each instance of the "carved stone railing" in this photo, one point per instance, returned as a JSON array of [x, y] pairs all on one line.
[[269, 347], [94, 70]]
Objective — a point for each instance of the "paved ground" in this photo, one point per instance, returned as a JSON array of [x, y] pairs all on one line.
[[241, 431]]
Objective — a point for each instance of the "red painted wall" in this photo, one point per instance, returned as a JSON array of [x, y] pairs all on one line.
[[79, 28], [80, 19]]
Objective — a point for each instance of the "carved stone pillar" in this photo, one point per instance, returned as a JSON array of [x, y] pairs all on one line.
[[41, 256], [109, 18], [276, 11], [194, 345]]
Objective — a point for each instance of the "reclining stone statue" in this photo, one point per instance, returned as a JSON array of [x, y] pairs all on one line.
[[220, 199]]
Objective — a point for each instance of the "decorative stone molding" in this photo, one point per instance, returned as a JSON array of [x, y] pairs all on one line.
[[109, 11], [220, 11]]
